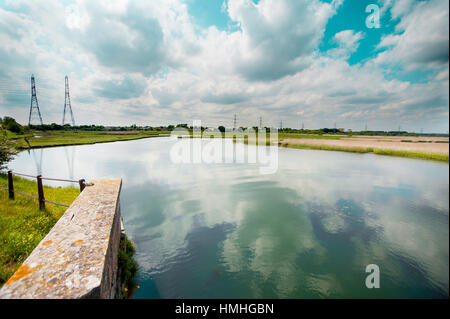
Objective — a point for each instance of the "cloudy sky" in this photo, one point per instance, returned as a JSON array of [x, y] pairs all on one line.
[[155, 62]]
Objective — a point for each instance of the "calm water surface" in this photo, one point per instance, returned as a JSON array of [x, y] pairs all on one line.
[[308, 231]]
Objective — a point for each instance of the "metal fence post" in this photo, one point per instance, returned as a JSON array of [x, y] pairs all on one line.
[[82, 183], [40, 193], [10, 185]]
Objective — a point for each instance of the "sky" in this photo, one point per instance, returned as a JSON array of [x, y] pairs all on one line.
[[299, 62]]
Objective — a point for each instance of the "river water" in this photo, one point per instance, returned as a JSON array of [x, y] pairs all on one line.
[[307, 231]]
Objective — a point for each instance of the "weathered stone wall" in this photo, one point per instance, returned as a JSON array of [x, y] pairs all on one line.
[[78, 257]]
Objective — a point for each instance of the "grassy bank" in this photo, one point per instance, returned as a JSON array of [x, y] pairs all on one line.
[[64, 138], [418, 155], [128, 267], [22, 224], [313, 136]]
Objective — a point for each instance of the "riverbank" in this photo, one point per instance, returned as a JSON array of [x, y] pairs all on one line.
[[66, 138], [430, 148], [22, 224], [437, 151]]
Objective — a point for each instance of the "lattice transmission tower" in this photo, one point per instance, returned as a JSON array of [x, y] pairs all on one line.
[[34, 102], [67, 104]]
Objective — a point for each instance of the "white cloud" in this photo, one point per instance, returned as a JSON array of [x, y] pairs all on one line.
[[75, 18], [277, 37], [162, 68], [348, 43], [422, 36]]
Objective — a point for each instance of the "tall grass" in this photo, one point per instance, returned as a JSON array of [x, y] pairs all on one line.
[[62, 138], [312, 136], [329, 147], [128, 266], [22, 224], [418, 155]]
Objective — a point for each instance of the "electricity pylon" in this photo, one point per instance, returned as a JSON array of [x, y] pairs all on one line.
[[67, 104], [34, 102]]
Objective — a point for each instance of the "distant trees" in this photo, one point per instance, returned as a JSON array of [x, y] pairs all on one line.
[[10, 124], [330, 130], [68, 127], [6, 150]]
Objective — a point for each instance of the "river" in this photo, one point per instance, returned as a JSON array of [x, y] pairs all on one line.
[[307, 231]]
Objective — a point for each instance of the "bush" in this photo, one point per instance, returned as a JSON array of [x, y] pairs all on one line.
[[127, 265], [6, 150], [10, 124]]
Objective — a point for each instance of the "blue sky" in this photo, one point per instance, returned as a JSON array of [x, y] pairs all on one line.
[[206, 13], [174, 61]]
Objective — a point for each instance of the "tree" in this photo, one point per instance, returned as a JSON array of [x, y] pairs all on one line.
[[221, 128], [10, 124], [6, 150]]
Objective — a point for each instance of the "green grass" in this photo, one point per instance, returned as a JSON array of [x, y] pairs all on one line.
[[418, 155], [22, 224], [64, 138], [280, 135], [329, 148], [127, 266], [312, 136], [11, 135]]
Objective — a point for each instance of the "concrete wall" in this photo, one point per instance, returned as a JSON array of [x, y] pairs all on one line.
[[78, 257]]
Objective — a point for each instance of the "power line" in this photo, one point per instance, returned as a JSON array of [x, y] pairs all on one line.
[[34, 101], [67, 103]]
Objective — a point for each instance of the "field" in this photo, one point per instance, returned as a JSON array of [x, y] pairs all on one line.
[[22, 224], [435, 148], [63, 138]]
